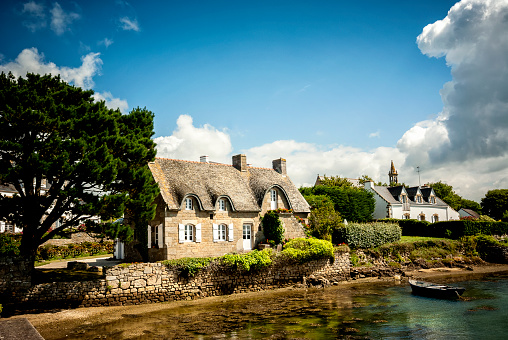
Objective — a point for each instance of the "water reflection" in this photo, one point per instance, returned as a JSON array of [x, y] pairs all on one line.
[[381, 310]]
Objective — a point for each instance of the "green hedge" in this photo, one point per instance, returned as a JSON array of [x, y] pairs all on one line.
[[369, 235], [307, 249], [253, 260], [49, 252], [450, 229]]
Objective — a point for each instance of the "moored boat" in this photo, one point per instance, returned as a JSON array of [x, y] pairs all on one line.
[[435, 290]]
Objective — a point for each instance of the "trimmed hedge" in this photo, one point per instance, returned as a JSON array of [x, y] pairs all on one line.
[[369, 235], [49, 252], [450, 229]]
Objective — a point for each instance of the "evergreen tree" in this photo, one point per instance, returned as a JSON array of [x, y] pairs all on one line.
[[94, 159]]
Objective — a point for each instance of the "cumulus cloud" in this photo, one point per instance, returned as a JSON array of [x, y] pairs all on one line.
[[61, 20], [112, 102], [128, 24], [189, 142], [30, 60]]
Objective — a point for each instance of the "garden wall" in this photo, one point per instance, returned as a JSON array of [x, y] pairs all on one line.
[[153, 282]]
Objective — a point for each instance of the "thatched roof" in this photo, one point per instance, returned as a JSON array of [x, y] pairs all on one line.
[[210, 181]]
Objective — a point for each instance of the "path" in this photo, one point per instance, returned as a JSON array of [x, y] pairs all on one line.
[[96, 261]]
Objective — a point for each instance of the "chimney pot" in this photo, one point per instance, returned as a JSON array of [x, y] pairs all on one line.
[[240, 162], [279, 165]]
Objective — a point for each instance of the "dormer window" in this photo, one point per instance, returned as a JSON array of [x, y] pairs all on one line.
[[188, 204], [402, 198], [273, 199], [222, 205], [419, 199], [432, 200]]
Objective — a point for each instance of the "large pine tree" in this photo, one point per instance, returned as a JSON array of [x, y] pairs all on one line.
[[94, 159]]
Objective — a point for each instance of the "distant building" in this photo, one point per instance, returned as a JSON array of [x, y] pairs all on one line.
[[355, 182], [420, 203], [468, 213]]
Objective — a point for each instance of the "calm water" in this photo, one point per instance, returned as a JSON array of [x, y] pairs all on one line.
[[372, 311]]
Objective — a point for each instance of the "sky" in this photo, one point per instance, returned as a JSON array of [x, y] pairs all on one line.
[[337, 88]]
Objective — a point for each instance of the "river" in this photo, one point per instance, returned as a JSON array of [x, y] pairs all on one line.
[[381, 310]]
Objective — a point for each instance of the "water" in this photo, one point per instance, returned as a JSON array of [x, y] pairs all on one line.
[[373, 311]]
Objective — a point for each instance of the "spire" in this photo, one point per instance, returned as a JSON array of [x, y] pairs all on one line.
[[393, 175]]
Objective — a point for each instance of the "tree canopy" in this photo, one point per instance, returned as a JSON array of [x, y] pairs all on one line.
[[495, 204], [445, 192], [70, 158]]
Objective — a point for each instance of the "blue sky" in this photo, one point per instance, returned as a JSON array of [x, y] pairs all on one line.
[[335, 87]]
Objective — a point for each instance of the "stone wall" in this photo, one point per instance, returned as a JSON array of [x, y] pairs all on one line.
[[14, 274], [153, 282]]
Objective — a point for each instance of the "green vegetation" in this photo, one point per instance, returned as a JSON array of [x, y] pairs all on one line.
[[51, 252], [445, 192], [253, 260], [369, 235], [495, 204], [57, 133], [323, 221], [188, 266], [303, 250], [272, 227]]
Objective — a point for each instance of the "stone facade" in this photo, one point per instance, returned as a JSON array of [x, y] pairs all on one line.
[[154, 282]]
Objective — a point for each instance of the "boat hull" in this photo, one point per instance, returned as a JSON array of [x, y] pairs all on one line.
[[436, 291]]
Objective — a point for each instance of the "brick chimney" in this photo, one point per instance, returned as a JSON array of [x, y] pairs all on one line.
[[240, 162], [279, 165]]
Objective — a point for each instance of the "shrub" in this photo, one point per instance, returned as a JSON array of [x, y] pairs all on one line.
[[306, 249], [323, 221], [370, 235], [9, 244], [253, 260], [188, 266], [272, 227]]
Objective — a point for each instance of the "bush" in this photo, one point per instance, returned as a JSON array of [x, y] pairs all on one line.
[[253, 260], [307, 249], [188, 266], [370, 235], [9, 244], [272, 227], [49, 252]]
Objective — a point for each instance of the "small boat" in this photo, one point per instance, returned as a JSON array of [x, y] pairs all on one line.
[[435, 290]]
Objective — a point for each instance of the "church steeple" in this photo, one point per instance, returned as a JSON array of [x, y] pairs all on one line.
[[393, 176]]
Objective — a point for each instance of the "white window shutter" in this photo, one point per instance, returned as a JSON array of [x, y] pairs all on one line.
[[215, 232], [149, 237], [181, 233], [230, 232], [161, 231], [198, 232]]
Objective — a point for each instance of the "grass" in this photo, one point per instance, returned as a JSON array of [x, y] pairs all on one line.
[[42, 275], [60, 259], [419, 239]]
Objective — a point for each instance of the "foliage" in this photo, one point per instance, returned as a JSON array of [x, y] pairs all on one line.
[[95, 159], [336, 181], [251, 261], [188, 266], [9, 244], [272, 227], [306, 249], [318, 201], [365, 178], [495, 203], [353, 204], [49, 252], [445, 192], [323, 221], [370, 235]]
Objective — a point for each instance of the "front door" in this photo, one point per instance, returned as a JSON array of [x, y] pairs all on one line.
[[247, 238]]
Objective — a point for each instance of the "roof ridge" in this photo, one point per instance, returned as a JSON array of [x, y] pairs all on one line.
[[196, 162]]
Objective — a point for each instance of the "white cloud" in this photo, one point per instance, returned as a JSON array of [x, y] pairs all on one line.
[[61, 20], [106, 42], [111, 102], [36, 17], [189, 142], [375, 134], [128, 24], [30, 60]]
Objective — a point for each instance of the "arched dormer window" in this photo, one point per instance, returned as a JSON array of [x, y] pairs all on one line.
[[222, 205]]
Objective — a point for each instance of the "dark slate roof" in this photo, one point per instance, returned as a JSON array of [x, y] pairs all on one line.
[[7, 188], [209, 181], [396, 191], [411, 192], [390, 195]]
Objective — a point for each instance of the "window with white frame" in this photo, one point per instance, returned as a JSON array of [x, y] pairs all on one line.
[[188, 234], [222, 204], [273, 199], [222, 230], [406, 217], [432, 200], [421, 217], [434, 218], [188, 203], [419, 199]]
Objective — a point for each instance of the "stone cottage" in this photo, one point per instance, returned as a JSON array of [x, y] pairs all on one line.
[[211, 209]]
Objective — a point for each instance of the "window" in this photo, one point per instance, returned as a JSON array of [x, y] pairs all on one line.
[[432, 200], [222, 205], [156, 235], [222, 232], [188, 235], [434, 218], [273, 199], [406, 217], [188, 204], [421, 217], [419, 199]]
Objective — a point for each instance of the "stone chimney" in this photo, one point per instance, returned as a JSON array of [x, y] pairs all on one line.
[[203, 159], [240, 162], [279, 165]]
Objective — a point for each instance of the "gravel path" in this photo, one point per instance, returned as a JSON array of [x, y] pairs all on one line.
[[96, 261]]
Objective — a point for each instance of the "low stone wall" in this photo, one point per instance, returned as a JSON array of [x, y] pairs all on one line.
[[153, 282], [14, 275]]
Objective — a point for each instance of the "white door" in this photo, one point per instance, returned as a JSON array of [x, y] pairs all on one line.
[[247, 239], [273, 199]]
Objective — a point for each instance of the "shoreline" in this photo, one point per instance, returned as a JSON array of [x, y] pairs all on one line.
[[70, 317]]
